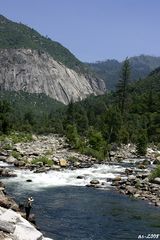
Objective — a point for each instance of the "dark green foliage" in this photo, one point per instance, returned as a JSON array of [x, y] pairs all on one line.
[[97, 146], [30, 112], [112, 120], [45, 160], [72, 135], [4, 116], [141, 144], [122, 87], [155, 173]]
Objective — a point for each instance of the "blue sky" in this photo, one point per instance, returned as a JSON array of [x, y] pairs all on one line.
[[93, 30]]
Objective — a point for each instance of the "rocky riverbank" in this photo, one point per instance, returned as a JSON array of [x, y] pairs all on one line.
[[42, 154], [12, 224], [136, 182]]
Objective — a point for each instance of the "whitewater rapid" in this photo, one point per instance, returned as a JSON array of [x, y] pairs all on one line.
[[79, 177]]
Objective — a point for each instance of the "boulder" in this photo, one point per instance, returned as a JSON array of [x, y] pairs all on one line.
[[7, 173], [80, 177], [24, 231], [158, 158], [7, 202], [116, 179], [7, 227], [63, 162], [4, 154], [141, 166], [94, 182], [136, 195], [42, 169], [19, 163], [156, 161], [1, 170], [157, 203], [2, 184], [146, 162], [128, 171], [3, 158], [130, 190], [55, 167], [156, 180], [11, 159], [131, 178], [29, 180], [76, 164], [9, 216]]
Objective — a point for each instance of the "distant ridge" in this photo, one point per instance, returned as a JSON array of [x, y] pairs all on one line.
[[109, 70]]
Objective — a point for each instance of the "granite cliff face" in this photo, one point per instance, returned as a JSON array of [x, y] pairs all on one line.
[[37, 72]]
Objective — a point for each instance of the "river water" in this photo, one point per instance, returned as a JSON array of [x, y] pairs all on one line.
[[68, 210]]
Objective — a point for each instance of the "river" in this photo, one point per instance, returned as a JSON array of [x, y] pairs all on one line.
[[66, 209]]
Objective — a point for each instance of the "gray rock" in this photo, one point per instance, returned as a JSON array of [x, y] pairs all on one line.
[[55, 167], [157, 203], [128, 171], [19, 163], [7, 227], [130, 190], [157, 180], [80, 177], [94, 181], [36, 73], [3, 158], [11, 159], [24, 231]]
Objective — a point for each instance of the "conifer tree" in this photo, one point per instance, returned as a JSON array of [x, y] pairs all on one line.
[[122, 86]]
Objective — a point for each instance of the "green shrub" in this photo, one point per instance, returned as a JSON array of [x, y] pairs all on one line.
[[155, 173], [44, 160], [73, 137], [94, 153], [16, 154], [141, 144], [7, 146], [20, 137]]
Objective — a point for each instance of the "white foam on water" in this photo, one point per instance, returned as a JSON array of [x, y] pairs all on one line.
[[4, 164], [65, 177]]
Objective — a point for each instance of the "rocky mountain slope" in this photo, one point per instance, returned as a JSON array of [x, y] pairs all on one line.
[[109, 70], [17, 35], [36, 71], [33, 63]]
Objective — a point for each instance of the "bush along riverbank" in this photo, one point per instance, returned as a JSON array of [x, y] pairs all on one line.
[[52, 152]]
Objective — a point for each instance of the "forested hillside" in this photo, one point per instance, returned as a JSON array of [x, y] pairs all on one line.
[[92, 125], [109, 70], [26, 112]]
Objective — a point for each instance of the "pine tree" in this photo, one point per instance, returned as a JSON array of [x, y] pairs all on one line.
[[122, 86]]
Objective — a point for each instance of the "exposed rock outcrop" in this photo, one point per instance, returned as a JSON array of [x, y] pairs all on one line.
[[14, 227], [37, 72]]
